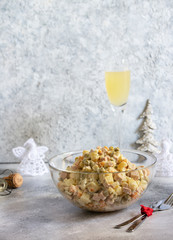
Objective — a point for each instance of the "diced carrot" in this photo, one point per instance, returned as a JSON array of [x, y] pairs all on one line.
[[135, 195], [106, 147], [79, 194], [90, 205], [148, 171], [100, 151], [101, 164], [101, 204]]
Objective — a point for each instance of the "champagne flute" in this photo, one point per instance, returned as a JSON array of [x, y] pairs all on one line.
[[117, 87]]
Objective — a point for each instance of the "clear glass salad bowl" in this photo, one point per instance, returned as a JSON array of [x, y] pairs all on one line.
[[99, 191]]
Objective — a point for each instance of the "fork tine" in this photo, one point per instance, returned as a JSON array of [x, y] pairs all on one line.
[[169, 199], [171, 202]]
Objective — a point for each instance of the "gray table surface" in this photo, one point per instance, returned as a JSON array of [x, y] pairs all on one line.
[[37, 211]]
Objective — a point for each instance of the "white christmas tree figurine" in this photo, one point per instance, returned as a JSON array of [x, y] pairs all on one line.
[[31, 157], [147, 141], [165, 160]]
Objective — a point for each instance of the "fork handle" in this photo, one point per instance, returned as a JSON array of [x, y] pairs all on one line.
[[128, 221], [137, 223]]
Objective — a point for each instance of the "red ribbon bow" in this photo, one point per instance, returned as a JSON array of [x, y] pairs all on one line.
[[147, 210]]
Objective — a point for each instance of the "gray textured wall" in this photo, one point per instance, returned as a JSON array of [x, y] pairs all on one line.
[[52, 61]]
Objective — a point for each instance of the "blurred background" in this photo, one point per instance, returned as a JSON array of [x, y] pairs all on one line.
[[53, 55]]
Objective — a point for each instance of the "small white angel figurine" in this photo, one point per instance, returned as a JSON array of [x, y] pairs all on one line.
[[165, 160], [31, 158]]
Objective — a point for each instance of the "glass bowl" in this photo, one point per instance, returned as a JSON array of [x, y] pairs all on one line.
[[103, 192]]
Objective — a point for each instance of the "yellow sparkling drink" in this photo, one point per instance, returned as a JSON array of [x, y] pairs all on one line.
[[117, 87]]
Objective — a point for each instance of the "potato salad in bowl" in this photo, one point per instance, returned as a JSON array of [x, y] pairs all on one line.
[[102, 179]]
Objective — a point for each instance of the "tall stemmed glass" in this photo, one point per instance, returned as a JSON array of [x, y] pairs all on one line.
[[117, 86]]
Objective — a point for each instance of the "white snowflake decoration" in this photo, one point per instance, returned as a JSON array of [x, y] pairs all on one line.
[[31, 157], [165, 160]]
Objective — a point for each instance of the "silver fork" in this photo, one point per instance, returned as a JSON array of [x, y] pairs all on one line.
[[139, 216], [131, 220], [166, 205]]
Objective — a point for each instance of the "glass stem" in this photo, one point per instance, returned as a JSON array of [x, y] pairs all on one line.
[[118, 113]]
